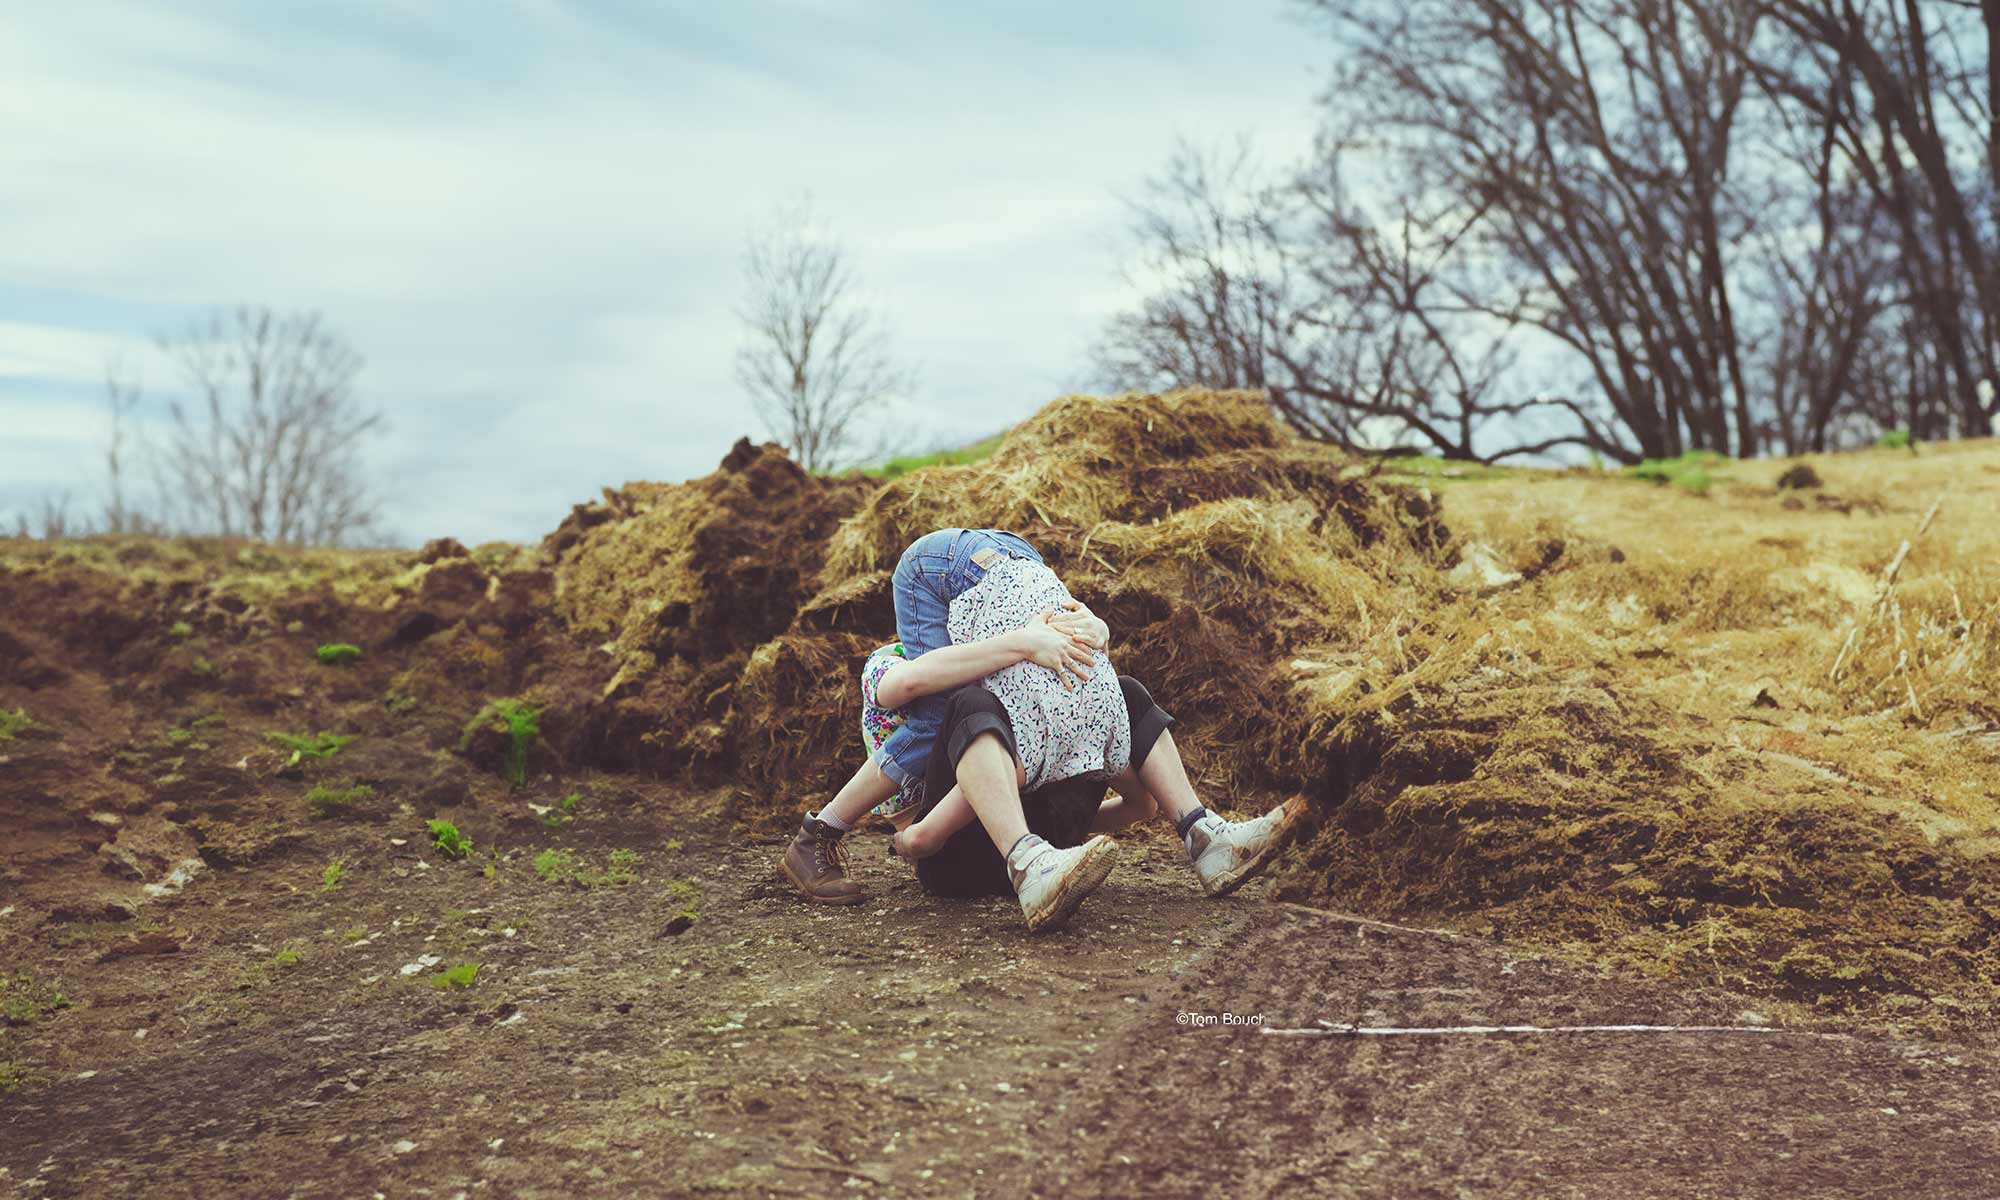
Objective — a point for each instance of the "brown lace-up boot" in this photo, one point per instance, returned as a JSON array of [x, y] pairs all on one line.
[[816, 863]]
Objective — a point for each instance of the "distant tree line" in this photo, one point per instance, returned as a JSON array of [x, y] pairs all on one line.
[[260, 440], [1635, 227]]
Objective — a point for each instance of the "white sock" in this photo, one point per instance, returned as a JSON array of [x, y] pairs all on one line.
[[827, 819]]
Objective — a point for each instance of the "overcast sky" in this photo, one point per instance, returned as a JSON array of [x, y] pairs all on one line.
[[529, 217]]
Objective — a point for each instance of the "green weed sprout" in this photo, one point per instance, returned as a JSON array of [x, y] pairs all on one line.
[[12, 723], [518, 722], [285, 957], [564, 809], [338, 654], [332, 874], [448, 840], [311, 745], [180, 629], [1898, 439], [555, 866], [461, 975]]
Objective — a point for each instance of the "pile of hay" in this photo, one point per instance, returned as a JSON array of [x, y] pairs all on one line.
[[739, 607], [1479, 726]]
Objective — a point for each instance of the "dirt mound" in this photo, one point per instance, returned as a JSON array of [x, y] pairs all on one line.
[[1559, 726]]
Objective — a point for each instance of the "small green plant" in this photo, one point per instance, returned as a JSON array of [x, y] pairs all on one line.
[[331, 875], [202, 666], [311, 745], [560, 813], [355, 934], [448, 840], [180, 629], [12, 1075], [1689, 472], [619, 869], [13, 722], [674, 845], [25, 997], [556, 866], [683, 893], [519, 723], [180, 737], [338, 654], [489, 871], [399, 702], [461, 975], [333, 802], [1898, 439], [285, 957]]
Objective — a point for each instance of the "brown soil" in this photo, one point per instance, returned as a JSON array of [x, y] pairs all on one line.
[[907, 1048]]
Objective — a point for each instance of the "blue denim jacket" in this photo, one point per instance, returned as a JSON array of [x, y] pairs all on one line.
[[936, 569]]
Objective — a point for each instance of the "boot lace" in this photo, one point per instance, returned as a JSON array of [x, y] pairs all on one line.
[[830, 854]]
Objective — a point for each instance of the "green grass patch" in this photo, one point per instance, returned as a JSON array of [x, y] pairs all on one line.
[[13, 722], [285, 957], [621, 868], [328, 802], [311, 745], [338, 654], [331, 875], [519, 723], [903, 464], [354, 934], [556, 866], [461, 975], [448, 840], [12, 1075], [1689, 472], [180, 629], [24, 997], [1430, 468], [1898, 439]]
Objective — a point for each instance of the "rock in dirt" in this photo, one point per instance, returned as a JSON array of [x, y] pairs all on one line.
[[1798, 476], [142, 945], [1479, 569]]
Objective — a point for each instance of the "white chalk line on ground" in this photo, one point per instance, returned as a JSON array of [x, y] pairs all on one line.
[[1332, 1029]]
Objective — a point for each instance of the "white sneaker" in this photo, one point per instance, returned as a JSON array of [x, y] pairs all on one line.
[[1052, 882], [1228, 854]]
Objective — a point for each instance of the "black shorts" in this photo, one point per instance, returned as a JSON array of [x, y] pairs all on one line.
[[968, 865]]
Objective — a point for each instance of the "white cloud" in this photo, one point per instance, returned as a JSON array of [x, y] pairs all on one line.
[[529, 222]]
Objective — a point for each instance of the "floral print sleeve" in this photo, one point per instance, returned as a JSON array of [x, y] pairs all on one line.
[[877, 723]]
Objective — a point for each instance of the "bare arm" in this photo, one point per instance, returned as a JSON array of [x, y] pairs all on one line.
[[948, 667]]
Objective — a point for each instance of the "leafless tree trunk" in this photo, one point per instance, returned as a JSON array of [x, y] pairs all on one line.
[[268, 447], [816, 357]]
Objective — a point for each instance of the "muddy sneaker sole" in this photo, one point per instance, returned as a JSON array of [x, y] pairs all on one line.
[[1288, 827], [1100, 855], [785, 873]]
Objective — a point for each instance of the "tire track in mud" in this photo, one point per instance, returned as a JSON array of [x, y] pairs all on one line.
[[1171, 1110]]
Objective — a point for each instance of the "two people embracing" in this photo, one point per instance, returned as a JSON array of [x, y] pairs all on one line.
[[993, 726]]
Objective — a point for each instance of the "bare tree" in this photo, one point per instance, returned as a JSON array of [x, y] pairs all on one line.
[[816, 356], [1345, 319], [268, 447]]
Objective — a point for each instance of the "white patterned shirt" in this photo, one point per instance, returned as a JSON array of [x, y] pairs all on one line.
[[1059, 733]]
